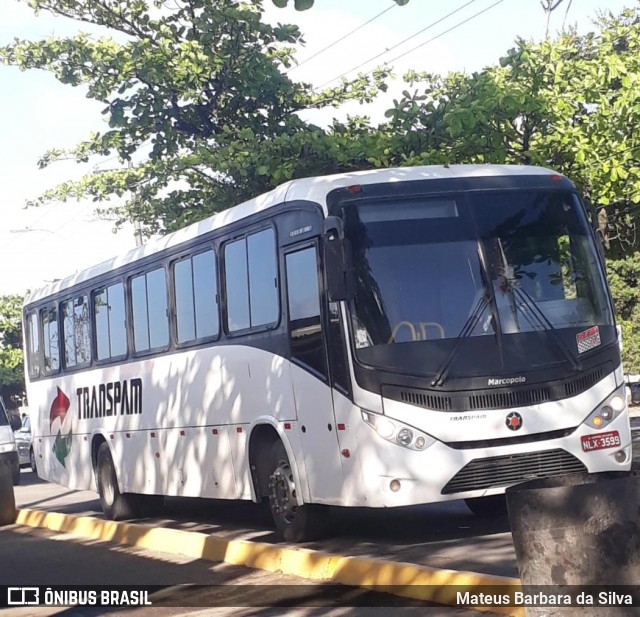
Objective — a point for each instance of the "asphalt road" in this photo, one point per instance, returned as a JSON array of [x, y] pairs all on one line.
[[29, 557]]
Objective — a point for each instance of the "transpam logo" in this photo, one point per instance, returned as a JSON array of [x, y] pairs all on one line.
[[57, 420]]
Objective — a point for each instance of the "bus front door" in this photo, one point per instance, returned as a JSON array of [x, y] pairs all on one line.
[[310, 375]]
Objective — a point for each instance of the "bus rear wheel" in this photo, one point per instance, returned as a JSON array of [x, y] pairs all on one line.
[[294, 522], [492, 505], [116, 506]]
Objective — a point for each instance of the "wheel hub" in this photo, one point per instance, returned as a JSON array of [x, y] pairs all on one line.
[[282, 493]]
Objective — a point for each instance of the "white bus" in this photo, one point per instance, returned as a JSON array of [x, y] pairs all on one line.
[[381, 338]]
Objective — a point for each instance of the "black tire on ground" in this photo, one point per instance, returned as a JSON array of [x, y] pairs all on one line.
[[116, 506], [295, 523], [32, 460], [493, 505]]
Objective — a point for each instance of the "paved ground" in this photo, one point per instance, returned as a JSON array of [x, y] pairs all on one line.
[[39, 557], [442, 535]]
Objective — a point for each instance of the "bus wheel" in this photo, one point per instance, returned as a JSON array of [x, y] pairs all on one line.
[[493, 505], [32, 461], [115, 505], [294, 522]]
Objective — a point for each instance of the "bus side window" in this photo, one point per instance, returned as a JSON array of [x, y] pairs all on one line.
[[75, 329], [110, 326], [251, 281], [195, 294], [305, 325], [150, 315], [49, 319], [263, 281], [33, 345]]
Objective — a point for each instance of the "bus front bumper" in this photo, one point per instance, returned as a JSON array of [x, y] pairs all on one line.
[[442, 473]]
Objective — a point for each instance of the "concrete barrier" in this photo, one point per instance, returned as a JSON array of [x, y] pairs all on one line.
[[579, 530]]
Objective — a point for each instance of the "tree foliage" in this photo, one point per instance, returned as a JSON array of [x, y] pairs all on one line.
[[201, 86], [569, 104], [624, 281], [12, 387], [303, 5]]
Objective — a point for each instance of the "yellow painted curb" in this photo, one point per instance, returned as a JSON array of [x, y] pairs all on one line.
[[403, 579]]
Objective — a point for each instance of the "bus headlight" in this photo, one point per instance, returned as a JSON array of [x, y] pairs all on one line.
[[608, 410], [405, 436], [397, 432]]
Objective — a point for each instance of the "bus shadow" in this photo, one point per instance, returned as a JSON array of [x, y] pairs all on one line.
[[444, 535], [29, 478], [425, 523]]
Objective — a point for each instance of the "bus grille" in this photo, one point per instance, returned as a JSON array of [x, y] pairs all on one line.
[[497, 471], [426, 399], [580, 384], [516, 398], [492, 398]]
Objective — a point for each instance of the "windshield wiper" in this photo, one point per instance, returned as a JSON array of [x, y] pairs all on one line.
[[487, 299], [537, 313], [547, 326], [467, 329]]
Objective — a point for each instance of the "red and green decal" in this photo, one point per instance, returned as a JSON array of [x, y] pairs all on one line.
[[62, 443]]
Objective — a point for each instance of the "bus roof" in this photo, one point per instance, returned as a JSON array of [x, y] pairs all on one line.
[[310, 189]]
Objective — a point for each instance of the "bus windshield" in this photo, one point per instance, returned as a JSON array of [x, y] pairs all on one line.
[[520, 263]]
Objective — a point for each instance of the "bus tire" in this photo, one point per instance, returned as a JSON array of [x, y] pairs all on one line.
[[492, 505], [295, 523], [32, 460], [116, 506]]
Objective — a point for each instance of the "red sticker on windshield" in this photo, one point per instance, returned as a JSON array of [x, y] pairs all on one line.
[[588, 339]]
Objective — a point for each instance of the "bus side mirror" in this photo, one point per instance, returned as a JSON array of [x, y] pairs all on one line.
[[338, 273]]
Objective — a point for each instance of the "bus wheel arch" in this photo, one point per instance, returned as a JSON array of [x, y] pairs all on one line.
[[294, 522], [262, 438], [274, 478]]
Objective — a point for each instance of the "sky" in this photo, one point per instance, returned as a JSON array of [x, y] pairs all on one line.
[[37, 113]]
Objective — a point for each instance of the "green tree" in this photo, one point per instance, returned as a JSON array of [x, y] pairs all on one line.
[[197, 101], [624, 281], [12, 387], [303, 5], [570, 104]]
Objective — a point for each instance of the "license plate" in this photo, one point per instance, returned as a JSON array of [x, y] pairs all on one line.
[[600, 441]]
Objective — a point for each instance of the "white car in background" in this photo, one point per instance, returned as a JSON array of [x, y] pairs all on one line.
[[8, 454], [24, 442]]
